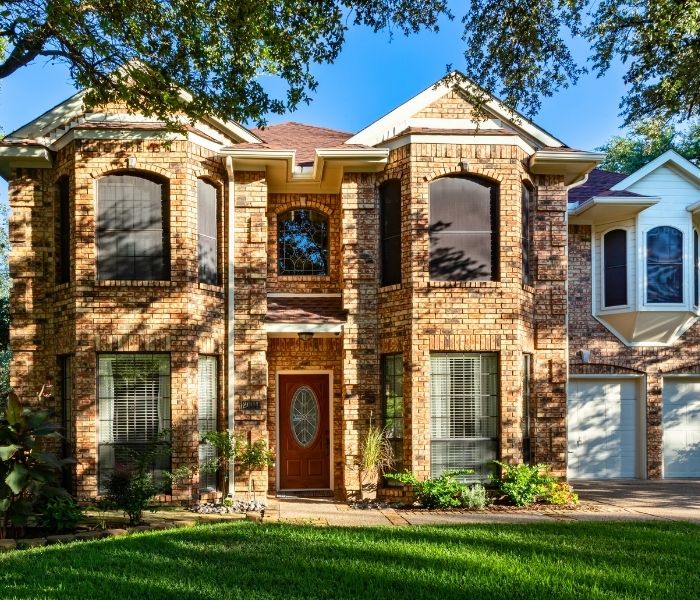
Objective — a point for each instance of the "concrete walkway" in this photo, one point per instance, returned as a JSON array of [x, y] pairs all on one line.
[[600, 501]]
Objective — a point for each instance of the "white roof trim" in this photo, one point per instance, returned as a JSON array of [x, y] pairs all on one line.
[[445, 138], [303, 327], [397, 120], [51, 119], [671, 156]]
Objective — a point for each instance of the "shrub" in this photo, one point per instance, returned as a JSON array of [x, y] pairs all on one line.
[[131, 490], [376, 455], [560, 493], [60, 514], [439, 492], [475, 497], [28, 474], [523, 484]]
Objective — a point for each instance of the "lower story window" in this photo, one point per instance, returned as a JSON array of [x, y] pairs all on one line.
[[133, 411], [392, 382], [65, 368], [463, 413], [207, 419]]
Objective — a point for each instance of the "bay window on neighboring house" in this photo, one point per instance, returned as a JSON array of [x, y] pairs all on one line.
[[615, 268], [133, 239], [393, 405], [207, 232], [464, 229], [207, 413], [463, 413], [664, 265], [133, 411]]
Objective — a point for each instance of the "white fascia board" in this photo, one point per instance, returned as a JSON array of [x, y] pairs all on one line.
[[395, 121], [233, 130], [303, 327], [671, 156], [603, 201], [693, 208], [431, 138], [51, 119], [553, 156], [34, 157]]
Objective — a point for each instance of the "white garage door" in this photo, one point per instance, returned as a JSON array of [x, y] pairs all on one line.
[[681, 435], [602, 428]]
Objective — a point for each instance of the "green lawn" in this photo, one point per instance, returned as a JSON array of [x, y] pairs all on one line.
[[248, 560]]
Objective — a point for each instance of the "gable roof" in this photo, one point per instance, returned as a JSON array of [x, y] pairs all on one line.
[[669, 157], [397, 120], [305, 139]]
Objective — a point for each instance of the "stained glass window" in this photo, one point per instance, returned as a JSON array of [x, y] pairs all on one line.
[[304, 416], [302, 242]]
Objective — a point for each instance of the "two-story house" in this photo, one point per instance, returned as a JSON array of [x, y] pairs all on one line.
[[298, 283]]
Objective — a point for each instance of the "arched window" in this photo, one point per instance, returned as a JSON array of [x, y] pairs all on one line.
[[390, 231], [615, 268], [302, 242], [207, 232], [664, 265], [133, 239], [463, 229]]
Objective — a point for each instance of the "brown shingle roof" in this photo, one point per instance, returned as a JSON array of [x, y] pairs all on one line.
[[599, 181], [305, 139], [305, 309]]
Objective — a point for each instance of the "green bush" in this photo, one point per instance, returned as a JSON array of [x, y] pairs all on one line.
[[131, 490], [523, 484], [60, 514], [28, 474], [440, 492], [560, 493], [475, 497]]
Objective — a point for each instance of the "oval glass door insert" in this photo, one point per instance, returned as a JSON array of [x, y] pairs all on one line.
[[303, 413]]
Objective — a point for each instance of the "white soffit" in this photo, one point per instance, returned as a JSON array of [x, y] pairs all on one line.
[[608, 209], [396, 121]]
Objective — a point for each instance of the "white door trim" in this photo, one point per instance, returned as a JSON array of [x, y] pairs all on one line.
[[328, 372]]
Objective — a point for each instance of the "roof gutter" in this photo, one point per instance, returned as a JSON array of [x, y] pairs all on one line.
[[33, 156], [574, 165]]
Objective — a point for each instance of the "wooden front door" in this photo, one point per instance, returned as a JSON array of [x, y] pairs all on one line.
[[304, 428]]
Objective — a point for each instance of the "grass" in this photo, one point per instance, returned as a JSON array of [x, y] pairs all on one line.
[[249, 560]]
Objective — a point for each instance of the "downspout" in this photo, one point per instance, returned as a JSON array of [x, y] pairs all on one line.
[[230, 315]]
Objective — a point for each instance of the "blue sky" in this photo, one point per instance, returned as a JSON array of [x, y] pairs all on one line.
[[373, 75]]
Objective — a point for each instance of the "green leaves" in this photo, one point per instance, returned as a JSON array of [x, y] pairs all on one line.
[[17, 478], [6, 452], [13, 414]]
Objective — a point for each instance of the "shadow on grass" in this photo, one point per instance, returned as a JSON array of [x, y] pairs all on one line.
[[247, 560]]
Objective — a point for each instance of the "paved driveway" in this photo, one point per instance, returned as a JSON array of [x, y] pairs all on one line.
[[677, 499]]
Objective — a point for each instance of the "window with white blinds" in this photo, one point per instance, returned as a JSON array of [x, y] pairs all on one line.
[[207, 406], [133, 409], [463, 413]]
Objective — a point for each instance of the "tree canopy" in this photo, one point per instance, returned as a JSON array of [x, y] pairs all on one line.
[[220, 51], [646, 141]]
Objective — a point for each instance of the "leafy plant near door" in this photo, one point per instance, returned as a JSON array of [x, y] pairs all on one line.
[[524, 485], [445, 491]]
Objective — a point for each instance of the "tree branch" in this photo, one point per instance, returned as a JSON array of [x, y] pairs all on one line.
[[25, 51]]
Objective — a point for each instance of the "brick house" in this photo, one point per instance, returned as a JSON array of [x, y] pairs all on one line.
[[297, 284]]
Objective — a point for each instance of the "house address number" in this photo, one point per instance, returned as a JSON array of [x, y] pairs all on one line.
[[250, 404]]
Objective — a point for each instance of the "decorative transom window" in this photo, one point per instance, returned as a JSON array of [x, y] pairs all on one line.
[[132, 228], [463, 229], [302, 242], [133, 410], [304, 415], [664, 265], [463, 413]]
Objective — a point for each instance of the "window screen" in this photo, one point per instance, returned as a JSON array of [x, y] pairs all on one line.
[[392, 382], [302, 242], [63, 232], [390, 211], [525, 218], [664, 265], [208, 232], [133, 410], [132, 229], [463, 229], [65, 369], [463, 413], [615, 267], [207, 408]]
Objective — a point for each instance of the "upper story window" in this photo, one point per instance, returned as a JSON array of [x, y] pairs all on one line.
[[390, 231], [62, 251], [463, 229], [207, 230], [664, 265], [526, 228], [302, 242], [696, 269], [132, 228], [615, 268]]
